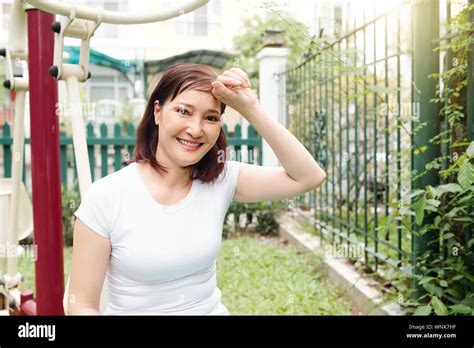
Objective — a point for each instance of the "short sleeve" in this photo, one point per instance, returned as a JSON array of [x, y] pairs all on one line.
[[231, 176], [93, 210]]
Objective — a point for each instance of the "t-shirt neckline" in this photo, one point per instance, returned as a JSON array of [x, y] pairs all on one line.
[[162, 207]]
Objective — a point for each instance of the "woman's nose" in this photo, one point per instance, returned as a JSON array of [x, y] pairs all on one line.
[[195, 128]]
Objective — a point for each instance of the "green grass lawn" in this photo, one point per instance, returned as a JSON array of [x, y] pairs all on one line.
[[259, 276], [26, 267]]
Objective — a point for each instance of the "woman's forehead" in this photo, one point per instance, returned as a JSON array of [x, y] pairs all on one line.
[[197, 99]]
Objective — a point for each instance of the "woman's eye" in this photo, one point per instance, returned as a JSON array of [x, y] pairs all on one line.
[[183, 111], [213, 118]]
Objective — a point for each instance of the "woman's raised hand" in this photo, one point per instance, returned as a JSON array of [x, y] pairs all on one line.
[[232, 88]]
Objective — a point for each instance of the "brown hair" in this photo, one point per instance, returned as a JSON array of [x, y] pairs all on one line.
[[174, 81]]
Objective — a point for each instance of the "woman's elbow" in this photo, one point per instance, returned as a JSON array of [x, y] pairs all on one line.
[[77, 306], [320, 177], [82, 310]]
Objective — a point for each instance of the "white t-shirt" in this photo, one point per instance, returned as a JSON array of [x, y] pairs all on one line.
[[163, 258]]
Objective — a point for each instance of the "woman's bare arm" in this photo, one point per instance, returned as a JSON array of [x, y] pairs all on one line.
[[90, 257], [299, 172]]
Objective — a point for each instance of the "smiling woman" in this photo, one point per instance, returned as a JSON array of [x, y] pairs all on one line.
[[181, 114], [154, 228]]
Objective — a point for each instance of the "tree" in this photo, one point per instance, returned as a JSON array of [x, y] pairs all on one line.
[[296, 38]]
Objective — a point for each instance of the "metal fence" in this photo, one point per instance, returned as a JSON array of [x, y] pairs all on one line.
[[354, 104]]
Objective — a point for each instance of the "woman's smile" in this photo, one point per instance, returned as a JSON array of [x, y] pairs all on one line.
[[189, 145]]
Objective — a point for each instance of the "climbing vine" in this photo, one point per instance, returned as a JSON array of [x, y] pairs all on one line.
[[445, 270]]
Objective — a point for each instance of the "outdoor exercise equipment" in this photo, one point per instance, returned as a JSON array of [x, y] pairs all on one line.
[[77, 22], [13, 195]]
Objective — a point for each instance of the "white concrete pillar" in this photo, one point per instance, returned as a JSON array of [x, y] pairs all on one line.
[[244, 124], [272, 92]]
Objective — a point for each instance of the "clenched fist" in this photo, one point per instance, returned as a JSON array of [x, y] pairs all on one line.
[[232, 88]]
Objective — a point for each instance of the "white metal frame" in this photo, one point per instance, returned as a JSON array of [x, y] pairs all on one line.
[[104, 16], [17, 52]]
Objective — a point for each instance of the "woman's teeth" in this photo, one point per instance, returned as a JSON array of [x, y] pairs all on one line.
[[187, 143]]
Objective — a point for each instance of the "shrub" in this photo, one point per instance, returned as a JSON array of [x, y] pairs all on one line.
[[264, 214], [70, 202]]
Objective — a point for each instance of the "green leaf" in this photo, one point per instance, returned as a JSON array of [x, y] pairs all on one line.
[[460, 308], [423, 310], [439, 307], [468, 276], [406, 211], [463, 219], [439, 190], [425, 280], [433, 289], [453, 211], [470, 150], [465, 199], [466, 174], [420, 149], [430, 208], [384, 224], [443, 283], [453, 292], [419, 208], [468, 301], [416, 193], [433, 202]]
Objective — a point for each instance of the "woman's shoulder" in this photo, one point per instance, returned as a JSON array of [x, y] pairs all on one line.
[[232, 167], [116, 180], [230, 170]]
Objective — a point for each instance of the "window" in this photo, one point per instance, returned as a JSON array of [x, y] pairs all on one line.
[[123, 93], [102, 79], [215, 7], [114, 87], [102, 92], [106, 30], [5, 16], [200, 21], [111, 30], [181, 26], [194, 23]]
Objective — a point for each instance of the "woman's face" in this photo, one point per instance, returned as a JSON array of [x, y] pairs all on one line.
[[192, 116]]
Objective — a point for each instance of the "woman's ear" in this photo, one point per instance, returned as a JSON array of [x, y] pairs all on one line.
[[157, 112]]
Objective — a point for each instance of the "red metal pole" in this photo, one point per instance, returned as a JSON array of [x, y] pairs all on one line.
[[27, 304], [45, 165]]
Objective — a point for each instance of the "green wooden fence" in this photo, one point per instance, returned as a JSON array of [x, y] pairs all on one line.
[[108, 154]]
